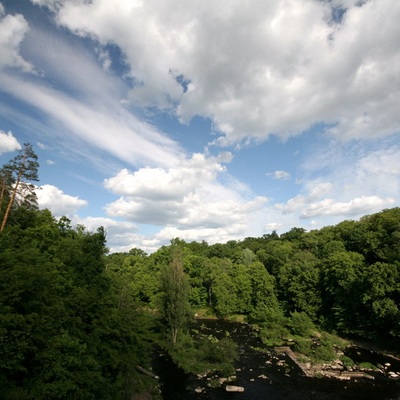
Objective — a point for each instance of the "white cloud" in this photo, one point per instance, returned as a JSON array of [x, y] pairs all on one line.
[[358, 206], [247, 71], [185, 198], [82, 104], [58, 202], [359, 181], [118, 227], [51, 4], [113, 130], [210, 235], [13, 29], [314, 190], [171, 184], [41, 146], [377, 172], [279, 175], [8, 142], [105, 58], [272, 226]]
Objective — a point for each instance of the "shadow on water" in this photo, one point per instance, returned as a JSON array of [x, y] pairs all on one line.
[[263, 375], [173, 380]]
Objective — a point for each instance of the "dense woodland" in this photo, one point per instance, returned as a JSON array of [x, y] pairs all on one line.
[[75, 321]]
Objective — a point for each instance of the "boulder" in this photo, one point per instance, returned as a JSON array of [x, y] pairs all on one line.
[[232, 388]]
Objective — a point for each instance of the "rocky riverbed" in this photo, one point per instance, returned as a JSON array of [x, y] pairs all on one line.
[[275, 374]]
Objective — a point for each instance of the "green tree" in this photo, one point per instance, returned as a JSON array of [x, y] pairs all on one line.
[[20, 172], [265, 305], [381, 296], [175, 288], [299, 284], [341, 279]]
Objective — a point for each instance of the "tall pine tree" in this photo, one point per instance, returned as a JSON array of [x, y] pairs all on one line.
[[16, 181]]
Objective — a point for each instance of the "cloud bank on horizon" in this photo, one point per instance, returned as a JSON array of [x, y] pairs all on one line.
[[103, 81]]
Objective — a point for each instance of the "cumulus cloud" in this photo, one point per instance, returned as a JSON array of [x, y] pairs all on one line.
[[240, 65], [58, 202], [185, 197], [12, 32], [8, 142], [171, 184]]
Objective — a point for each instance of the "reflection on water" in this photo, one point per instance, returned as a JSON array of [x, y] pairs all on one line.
[[264, 376]]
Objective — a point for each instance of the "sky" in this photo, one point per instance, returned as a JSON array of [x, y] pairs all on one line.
[[202, 120]]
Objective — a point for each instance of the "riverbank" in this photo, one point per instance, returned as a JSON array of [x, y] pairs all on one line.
[[389, 369], [265, 373], [351, 358]]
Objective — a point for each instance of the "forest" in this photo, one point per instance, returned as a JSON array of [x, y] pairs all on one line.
[[76, 321]]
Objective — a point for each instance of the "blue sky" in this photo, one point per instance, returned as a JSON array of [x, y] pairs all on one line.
[[202, 120]]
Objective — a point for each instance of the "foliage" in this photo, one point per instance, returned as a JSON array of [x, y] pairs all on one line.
[[321, 349], [16, 179], [367, 365], [199, 354], [344, 278], [347, 361], [300, 324], [175, 306], [64, 334]]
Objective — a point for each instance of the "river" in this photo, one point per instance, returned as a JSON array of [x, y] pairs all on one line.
[[265, 376]]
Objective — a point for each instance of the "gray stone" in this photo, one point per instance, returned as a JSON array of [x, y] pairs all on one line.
[[232, 388]]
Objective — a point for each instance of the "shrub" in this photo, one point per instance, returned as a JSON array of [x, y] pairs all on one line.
[[347, 361], [300, 324]]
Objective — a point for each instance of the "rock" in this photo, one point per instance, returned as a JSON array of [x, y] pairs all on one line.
[[387, 365], [234, 389], [393, 375], [263, 376], [199, 389], [252, 380]]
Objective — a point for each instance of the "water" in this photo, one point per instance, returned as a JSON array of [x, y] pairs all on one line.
[[265, 376]]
